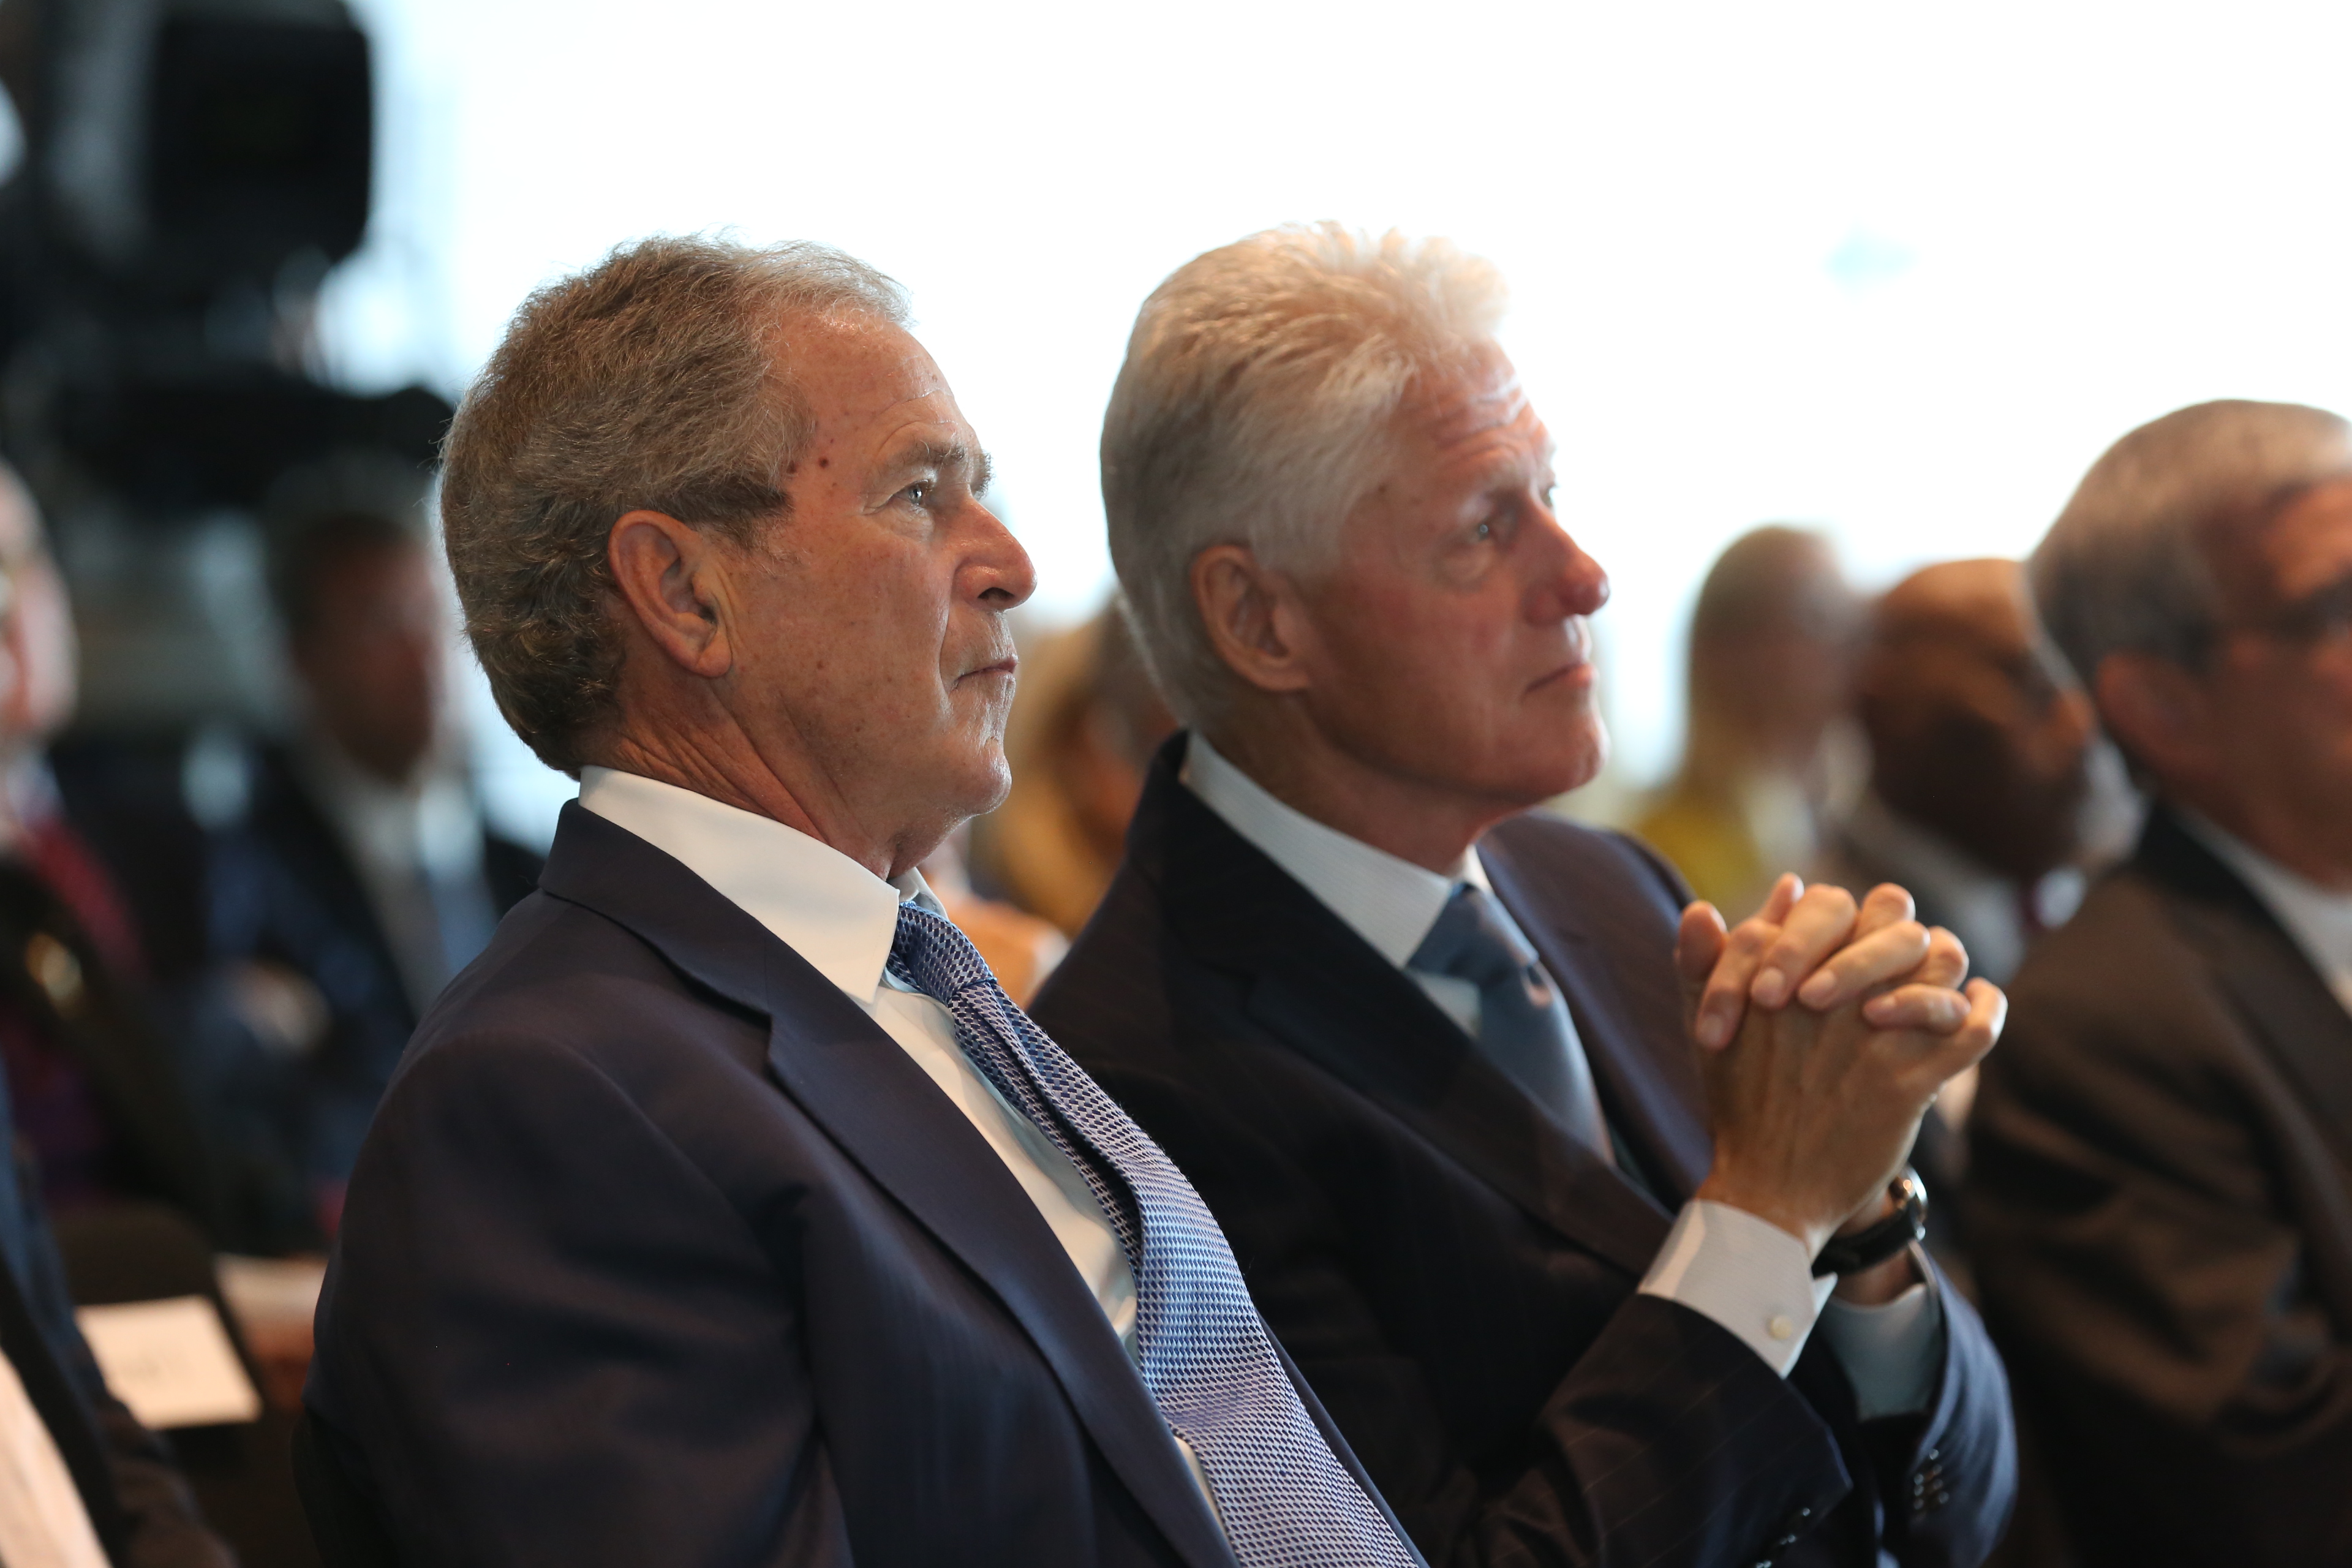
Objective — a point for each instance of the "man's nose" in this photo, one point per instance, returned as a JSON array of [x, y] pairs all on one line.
[[1567, 581], [1001, 574]]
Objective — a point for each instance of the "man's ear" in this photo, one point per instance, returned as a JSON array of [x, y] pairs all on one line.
[[1254, 616], [673, 579], [2156, 711]]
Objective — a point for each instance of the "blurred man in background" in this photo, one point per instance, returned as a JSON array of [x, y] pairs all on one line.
[[2159, 1204], [99, 1098], [356, 876], [1771, 640], [1980, 744], [93, 1119], [1424, 1052]]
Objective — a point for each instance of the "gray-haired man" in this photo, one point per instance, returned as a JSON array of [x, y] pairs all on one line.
[[2160, 1206], [725, 1212], [1564, 1278]]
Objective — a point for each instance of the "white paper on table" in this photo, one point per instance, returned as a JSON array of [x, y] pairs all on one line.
[[270, 1293], [170, 1360]]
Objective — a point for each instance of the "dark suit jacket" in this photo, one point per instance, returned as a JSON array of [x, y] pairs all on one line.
[[661, 1251], [1457, 1277], [2161, 1209], [145, 1141], [136, 1497], [282, 887]]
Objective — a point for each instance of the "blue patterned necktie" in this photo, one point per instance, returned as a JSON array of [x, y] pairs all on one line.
[[1285, 1499]]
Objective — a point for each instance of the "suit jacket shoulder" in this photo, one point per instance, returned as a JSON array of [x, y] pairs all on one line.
[[652, 1212], [1455, 1274]]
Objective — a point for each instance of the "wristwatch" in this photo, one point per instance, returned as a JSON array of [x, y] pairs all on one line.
[[1869, 1248]]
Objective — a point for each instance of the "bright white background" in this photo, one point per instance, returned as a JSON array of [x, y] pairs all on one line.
[[1897, 270]]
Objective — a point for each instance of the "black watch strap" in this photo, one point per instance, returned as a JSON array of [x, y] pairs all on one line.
[[1868, 1248]]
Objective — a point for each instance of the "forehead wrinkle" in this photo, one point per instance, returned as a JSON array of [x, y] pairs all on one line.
[[1460, 418]]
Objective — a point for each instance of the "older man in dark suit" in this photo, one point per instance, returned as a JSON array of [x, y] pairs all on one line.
[[1428, 1057], [2160, 1207], [725, 1212]]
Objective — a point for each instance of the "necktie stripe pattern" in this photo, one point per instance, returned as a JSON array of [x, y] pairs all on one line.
[[1285, 1499]]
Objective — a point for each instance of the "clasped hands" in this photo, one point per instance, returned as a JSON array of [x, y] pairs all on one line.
[[1824, 1030]]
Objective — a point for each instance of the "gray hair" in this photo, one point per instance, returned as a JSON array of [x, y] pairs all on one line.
[[658, 379], [1258, 388], [2125, 569]]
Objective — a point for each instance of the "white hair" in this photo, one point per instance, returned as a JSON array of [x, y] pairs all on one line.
[[1259, 385], [2125, 569]]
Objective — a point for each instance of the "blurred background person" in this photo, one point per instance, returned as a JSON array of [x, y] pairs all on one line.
[[85, 1485], [98, 1099], [2159, 1201], [1084, 723], [1770, 641], [350, 874], [1980, 745]]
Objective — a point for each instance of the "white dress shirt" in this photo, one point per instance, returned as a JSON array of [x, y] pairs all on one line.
[[1746, 1273], [2317, 920], [842, 919], [417, 848], [42, 1521]]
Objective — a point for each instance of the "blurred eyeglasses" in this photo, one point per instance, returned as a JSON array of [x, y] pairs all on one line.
[[2320, 619]]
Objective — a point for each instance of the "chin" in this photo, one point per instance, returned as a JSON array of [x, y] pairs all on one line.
[[983, 779], [1569, 762]]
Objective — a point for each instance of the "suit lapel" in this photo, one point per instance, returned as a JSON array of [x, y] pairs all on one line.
[[1649, 1086], [1326, 994], [887, 1115], [2288, 1005]]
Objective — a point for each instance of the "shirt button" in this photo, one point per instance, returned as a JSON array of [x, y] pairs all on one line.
[[1781, 1327]]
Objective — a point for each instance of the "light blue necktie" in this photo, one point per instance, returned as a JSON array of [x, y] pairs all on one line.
[[1285, 1499], [1523, 1025]]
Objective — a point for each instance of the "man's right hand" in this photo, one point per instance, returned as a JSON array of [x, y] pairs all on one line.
[[1814, 1106]]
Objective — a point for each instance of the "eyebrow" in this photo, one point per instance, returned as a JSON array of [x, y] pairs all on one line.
[[948, 457]]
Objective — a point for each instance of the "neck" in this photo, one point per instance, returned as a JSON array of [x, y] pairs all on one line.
[[727, 768], [1426, 823]]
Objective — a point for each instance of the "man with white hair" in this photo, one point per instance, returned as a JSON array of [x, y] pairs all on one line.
[[1554, 1231], [2160, 1203]]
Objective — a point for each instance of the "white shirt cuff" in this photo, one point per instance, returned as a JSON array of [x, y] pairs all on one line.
[[1746, 1273], [1891, 1353]]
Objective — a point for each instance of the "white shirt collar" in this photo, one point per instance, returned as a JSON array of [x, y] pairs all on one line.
[[2319, 920], [815, 900], [1390, 903]]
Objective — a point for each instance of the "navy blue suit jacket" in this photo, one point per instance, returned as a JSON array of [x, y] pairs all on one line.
[[1455, 1276], [661, 1252]]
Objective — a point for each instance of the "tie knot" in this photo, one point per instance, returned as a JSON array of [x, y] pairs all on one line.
[[932, 954], [1474, 939]]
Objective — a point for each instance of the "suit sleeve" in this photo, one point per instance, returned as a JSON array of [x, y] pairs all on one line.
[[2140, 1252], [549, 1337], [1947, 1477], [1668, 1443]]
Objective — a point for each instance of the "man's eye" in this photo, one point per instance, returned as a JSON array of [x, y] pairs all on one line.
[[1483, 533], [917, 493]]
